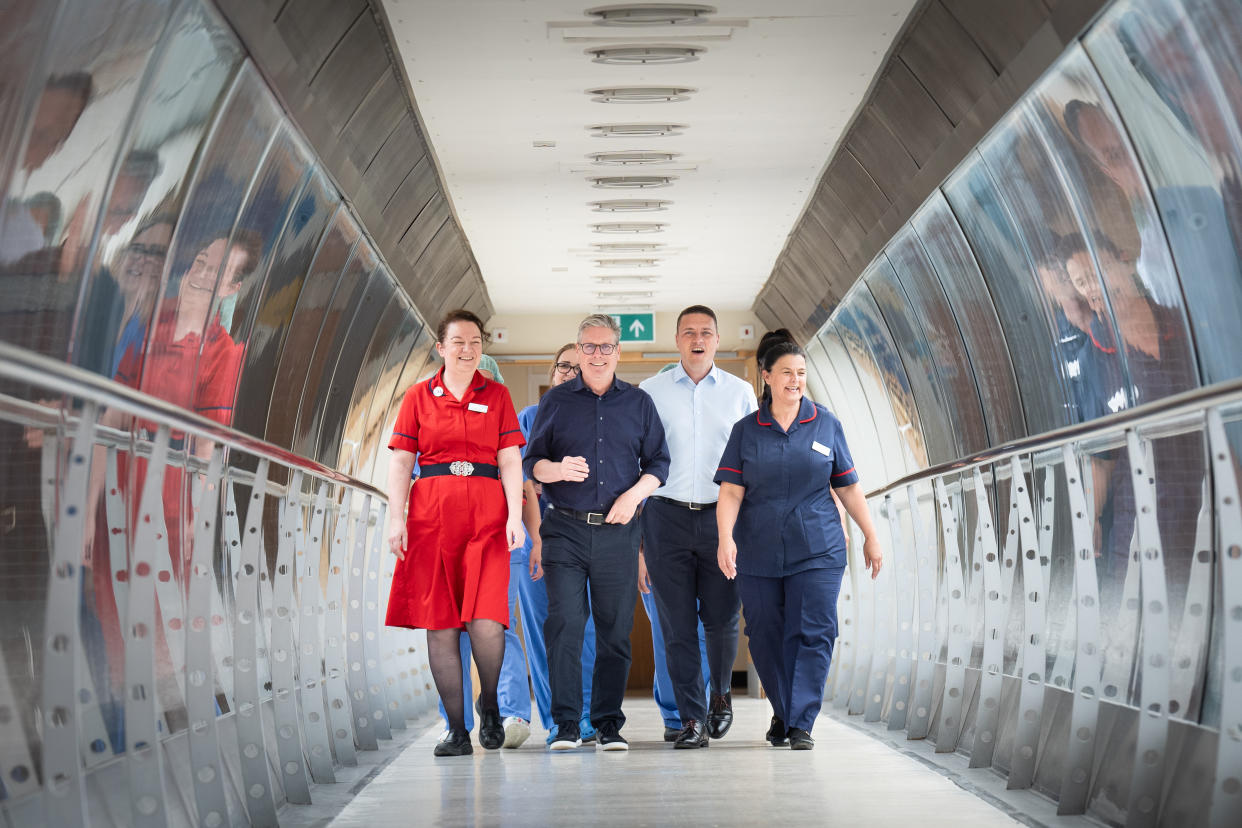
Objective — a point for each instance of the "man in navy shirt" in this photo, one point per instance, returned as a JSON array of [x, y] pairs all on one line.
[[597, 446]]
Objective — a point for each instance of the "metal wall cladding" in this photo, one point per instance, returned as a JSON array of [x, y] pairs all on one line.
[[164, 223]]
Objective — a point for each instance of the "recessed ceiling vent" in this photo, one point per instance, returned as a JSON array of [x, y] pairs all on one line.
[[639, 55], [630, 227], [627, 247], [635, 130], [627, 263], [650, 14], [641, 94], [631, 182], [630, 205], [631, 158]]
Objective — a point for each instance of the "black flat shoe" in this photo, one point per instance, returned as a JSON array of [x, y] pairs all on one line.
[[456, 743], [800, 740], [720, 715], [692, 735], [776, 733], [491, 734], [671, 734]]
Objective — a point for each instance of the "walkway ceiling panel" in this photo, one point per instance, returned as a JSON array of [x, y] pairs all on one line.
[[427, 221], [351, 70], [856, 189], [1000, 37], [391, 166], [880, 153], [947, 62], [830, 211], [903, 105], [312, 28], [380, 112], [831, 265]]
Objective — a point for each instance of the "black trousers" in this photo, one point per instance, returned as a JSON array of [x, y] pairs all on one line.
[[679, 545], [603, 560]]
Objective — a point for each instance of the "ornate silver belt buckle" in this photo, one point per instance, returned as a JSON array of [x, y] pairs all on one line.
[[461, 468]]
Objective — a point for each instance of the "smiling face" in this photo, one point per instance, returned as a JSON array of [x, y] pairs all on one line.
[[461, 348], [697, 341], [569, 356], [787, 379], [598, 368]]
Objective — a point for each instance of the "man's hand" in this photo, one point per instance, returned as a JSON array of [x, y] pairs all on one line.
[[536, 560], [573, 469], [623, 508], [726, 557], [397, 539], [644, 580]]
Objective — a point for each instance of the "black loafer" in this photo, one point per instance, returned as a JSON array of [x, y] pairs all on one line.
[[671, 734], [720, 715], [692, 735], [491, 734], [800, 740], [456, 743], [776, 733]]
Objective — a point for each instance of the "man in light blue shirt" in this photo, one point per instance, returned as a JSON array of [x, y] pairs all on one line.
[[698, 405]]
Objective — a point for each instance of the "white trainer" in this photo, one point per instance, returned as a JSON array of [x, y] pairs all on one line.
[[517, 731]]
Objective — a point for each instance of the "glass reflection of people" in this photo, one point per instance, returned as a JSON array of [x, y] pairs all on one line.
[[452, 574]]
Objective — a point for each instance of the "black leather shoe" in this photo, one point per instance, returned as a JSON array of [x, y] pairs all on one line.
[[456, 743], [720, 715], [776, 733], [491, 734], [800, 740], [671, 734], [692, 735]]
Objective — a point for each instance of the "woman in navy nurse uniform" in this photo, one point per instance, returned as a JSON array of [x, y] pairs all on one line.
[[781, 536]]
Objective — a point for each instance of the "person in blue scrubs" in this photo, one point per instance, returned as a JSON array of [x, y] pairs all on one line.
[[780, 535], [527, 577]]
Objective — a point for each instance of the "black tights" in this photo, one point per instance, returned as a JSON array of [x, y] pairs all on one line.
[[487, 641]]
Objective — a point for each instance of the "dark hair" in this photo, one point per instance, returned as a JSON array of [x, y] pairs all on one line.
[[776, 348], [703, 309], [459, 315], [766, 343], [79, 83], [552, 370]]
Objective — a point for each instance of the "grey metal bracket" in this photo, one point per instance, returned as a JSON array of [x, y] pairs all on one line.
[[385, 701], [334, 638], [882, 649], [866, 633], [901, 556], [987, 716], [950, 726], [365, 730], [64, 792], [310, 659], [1031, 696], [1153, 721], [918, 720], [842, 669], [283, 653]]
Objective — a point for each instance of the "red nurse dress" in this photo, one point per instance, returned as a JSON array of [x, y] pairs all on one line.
[[456, 565]]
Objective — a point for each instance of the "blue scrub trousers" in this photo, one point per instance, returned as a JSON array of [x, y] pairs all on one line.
[[662, 684], [792, 624]]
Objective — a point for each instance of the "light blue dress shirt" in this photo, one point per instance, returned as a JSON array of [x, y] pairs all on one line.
[[697, 418]]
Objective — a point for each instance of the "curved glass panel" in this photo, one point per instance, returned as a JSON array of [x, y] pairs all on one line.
[[373, 434], [1161, 77], [413, 369], [907, 330], [360, 386], [1124, 232], [864, 391], [24, 30], [974, 315]]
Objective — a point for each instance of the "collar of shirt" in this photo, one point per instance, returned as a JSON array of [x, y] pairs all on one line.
[[806, 413], [477, 384], [578, 386]]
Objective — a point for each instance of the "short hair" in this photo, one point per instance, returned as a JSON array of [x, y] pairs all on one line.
[[569, 346], [249, 242], [601, 320], [702, 309], [768, 340], [459, 315]]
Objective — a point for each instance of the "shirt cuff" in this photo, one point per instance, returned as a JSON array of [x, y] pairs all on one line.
[[512, 438], [404, 442], [725, 474], [846, 478]]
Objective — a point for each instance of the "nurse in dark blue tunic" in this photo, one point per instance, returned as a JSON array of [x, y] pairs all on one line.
[[781, 536]]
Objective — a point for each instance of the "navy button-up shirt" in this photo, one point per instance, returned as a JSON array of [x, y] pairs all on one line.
[[619, 433], [788, 522]]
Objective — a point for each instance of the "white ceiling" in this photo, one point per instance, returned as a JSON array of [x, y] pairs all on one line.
[[776, 84]]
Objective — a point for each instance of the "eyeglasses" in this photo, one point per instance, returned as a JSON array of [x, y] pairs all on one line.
[[146, 251], [590, 348], [566, 368]]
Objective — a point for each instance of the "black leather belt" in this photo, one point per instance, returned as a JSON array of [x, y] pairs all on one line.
[[593, 518], [694, 507], [459, 468]]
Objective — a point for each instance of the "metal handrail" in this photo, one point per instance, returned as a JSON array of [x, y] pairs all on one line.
[[24, 366], [1187, 402]]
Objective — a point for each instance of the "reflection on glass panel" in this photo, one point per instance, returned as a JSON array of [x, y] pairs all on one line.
[[275, 307], [933, 318], [859, 431], [871, 414], [917, 359], [986, 223], [52, 204], [359, 385], [385, 385], [1104, 179], [1162, 78], [973, 317], [871, 346], [410, 373], [309, 316], [24, 28]]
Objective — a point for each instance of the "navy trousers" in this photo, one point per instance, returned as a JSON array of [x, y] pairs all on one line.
[[792, 624], [603, 561], [680, 548]]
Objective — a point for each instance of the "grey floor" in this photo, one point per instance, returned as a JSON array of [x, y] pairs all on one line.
[[849, 779]]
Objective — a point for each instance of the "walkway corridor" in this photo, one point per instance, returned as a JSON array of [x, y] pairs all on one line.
[[849, 779]]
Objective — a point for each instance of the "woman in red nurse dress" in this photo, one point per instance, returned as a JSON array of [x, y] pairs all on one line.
[[464, 517]]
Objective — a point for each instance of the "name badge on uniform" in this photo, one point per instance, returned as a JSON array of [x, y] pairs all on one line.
[[479, 407], [822, 449]]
